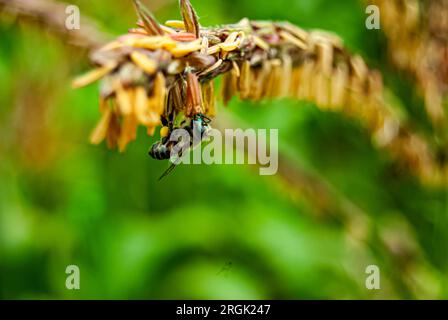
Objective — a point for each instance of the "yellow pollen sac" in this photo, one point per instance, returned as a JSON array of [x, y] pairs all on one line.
[[164, 132], [178, 24]]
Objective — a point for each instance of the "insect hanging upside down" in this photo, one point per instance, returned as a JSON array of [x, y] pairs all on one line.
[[173, 146], [197, 132]]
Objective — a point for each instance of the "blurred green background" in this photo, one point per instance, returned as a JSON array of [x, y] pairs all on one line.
[[206, 232]]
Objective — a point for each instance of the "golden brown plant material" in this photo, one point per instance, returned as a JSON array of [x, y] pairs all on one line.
[[417, 33], [173, 72]]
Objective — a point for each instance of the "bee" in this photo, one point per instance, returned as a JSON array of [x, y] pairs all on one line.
[[200, 126], [162, 150]]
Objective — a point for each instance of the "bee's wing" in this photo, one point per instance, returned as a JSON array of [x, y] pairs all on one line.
[[175, 163], [167, 171]]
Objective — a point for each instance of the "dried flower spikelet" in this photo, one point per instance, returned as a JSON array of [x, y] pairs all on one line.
[[286, 75], [200, 61], [100, 131], [324, 67], [357, 83], [244, 81], [274, 81], [434, 101], [208, 98], [263, 78], [297, 32], [359, 67], [175, 67], [149, 22], [325, 57], [92, 76], [182, 49], [183, 36], [158, 99], [176, 24], [214, 49], [129, 74], [295, 81], [228, 87], [144, 62], [141, 108], [124, 98], [339, 85], [190, 17], [295, 41], [176, 98], [306, 72], [231, 43], [113, 131], [194, 100], [128, 131], [140, 31], [150, 43], [260, 42], [216, 65], [322, 85], [205, 44], [374, 98], [236, 68]]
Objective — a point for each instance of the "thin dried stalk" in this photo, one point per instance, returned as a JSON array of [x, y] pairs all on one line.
[[51, 14]]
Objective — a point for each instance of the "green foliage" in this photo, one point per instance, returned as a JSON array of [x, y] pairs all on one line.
[[205, 231]]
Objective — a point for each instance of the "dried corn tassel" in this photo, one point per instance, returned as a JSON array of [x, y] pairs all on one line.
[[155, 72]]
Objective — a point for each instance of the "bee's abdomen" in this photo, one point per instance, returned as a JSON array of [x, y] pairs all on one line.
[[159, 151]]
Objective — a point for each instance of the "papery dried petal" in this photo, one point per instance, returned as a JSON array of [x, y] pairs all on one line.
[[149, 22], [124, 98], [144, 62], [208, 98], [92, 76], [100, 131], [190, 17], [194, 100], [177, 24], [113, 131], [158, 98], [244, 80]]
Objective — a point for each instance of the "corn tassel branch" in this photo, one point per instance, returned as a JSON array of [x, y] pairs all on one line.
[[148, 77]]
